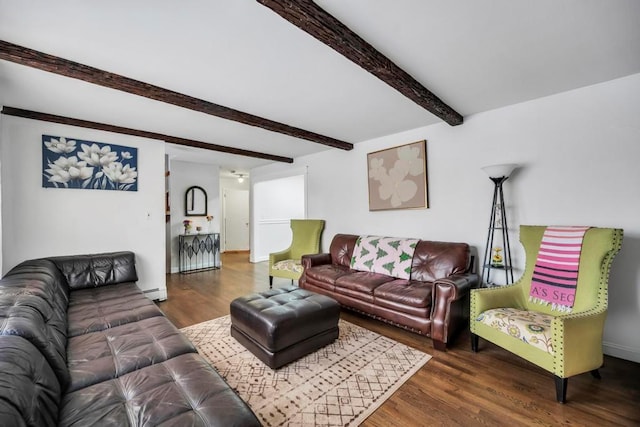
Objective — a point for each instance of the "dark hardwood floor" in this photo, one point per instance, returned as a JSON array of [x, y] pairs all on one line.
[[456, 387]]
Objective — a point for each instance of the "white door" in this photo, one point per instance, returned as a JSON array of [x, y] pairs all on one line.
[[236, 220]]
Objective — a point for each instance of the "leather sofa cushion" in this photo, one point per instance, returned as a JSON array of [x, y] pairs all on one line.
[[47, 273], [405, 296], [33, 304], [11, 416], [96, 309], [182, 391], [435, 260], [414, 294], [111, 353], [326, 275], [29, 390], [25, 312], [362, 281], [84, 271], [341, 249]]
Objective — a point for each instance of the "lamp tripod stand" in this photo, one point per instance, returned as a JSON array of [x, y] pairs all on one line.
[[498, 257]]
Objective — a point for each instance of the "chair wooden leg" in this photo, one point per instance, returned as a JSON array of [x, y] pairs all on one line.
[[596, 374], [561, 389], [270, 282], [474, 343]]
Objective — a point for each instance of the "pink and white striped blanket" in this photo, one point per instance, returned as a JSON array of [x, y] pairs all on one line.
[[555, 275]]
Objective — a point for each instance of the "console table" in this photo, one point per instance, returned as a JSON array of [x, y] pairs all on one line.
[[198, 252]]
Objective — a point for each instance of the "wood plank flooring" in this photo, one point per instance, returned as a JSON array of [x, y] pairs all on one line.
[[457, 387]]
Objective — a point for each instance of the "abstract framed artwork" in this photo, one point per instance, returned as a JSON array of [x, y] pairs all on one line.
[[73, 163], [398, 177]]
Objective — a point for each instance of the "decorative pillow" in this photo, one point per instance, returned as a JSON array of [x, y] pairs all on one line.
[[529, 326], [385, 255], [289, 265]]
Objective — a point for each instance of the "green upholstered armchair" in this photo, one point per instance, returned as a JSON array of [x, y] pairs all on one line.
[[306, 240], [564, 344]]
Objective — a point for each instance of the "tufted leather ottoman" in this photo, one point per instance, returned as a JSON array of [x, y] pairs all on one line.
[[281, 325]]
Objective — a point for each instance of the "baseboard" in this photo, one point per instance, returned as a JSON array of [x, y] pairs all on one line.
[[621, 352], [156, 294], [238, 251], [261, 259]]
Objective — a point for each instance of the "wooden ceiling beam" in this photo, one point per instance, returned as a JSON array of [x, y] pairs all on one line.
[[28, 114], [314, 20], [53, 64]]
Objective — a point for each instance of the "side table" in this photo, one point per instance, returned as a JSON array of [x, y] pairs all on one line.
[[198, 252]]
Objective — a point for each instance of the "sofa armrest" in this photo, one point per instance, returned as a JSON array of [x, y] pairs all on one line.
[[461, 284], [309, 261], [581, 335], [446, 292]]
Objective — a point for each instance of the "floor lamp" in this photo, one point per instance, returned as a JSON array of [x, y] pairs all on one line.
[[496, 257]]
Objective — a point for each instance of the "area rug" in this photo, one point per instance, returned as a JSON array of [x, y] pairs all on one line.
[[338, 385]]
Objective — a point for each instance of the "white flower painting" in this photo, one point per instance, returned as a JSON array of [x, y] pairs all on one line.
[[68, 163], [398, 177]]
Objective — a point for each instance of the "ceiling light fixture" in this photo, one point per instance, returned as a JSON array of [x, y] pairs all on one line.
[[240, 176]]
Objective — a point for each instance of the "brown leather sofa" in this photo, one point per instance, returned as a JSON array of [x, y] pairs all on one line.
[[81, 345], [433, 302]]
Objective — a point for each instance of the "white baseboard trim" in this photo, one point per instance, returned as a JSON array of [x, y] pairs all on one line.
[[621, 351], [156, 294]]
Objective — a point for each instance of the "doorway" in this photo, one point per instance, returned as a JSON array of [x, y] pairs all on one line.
[[235, 213]]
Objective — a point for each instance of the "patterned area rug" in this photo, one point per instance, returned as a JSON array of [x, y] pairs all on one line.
[[338, 385]]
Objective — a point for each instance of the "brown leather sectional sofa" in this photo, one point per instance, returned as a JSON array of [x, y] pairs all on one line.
[[81, 345], [432, 302]]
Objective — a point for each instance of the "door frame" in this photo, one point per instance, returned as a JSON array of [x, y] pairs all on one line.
[[223, 228]]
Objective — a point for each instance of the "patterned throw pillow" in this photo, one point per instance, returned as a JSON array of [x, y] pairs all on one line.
[[385, 255]]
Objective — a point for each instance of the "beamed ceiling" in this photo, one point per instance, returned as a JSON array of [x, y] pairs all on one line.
[[241, 83]]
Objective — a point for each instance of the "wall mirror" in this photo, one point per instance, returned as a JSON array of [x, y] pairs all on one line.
[[195, 201]]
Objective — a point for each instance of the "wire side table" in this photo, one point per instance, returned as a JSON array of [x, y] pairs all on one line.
[[198, 252]]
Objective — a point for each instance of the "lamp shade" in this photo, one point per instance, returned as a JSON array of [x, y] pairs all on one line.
[[500, 171]]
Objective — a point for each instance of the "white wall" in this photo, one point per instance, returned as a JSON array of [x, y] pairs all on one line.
[[184, 175], [233, 184], [39, 222], [579, 153], [275, 202]]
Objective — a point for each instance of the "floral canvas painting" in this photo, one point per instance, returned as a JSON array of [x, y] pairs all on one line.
[[73, 163], [398, 177]]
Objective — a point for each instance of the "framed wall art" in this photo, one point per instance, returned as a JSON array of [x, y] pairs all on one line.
[[71, 163], [398, 177]]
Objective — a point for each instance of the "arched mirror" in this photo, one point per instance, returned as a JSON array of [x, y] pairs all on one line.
[[195, 201]]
